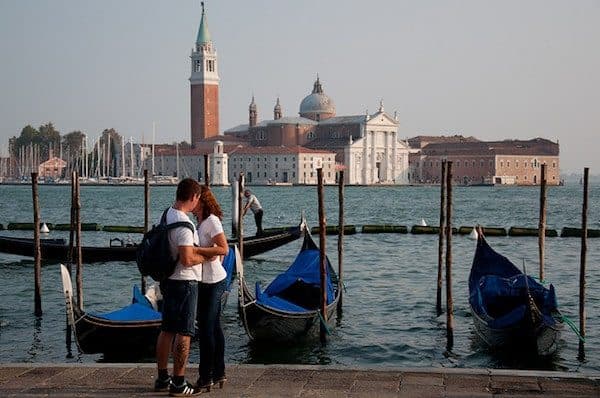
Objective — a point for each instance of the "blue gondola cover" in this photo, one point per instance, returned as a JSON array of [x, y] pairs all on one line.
[[305, 268]]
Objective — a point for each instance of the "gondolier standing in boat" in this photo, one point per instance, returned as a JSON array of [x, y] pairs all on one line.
[[213, 246], [180, 295], [253, 204]]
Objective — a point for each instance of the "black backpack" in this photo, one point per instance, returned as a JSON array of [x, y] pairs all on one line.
[[153, 255]]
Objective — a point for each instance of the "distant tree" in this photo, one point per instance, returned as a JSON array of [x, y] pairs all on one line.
[[72, 143], [110, 151], [45, 138], [49, 138]]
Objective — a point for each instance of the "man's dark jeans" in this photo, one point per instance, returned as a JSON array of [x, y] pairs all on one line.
[[210, 334], [258, 219]]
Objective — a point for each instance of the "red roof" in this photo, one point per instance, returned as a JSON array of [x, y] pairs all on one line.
[[276, 150]]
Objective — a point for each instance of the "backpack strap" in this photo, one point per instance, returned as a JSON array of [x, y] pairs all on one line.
[[177, 224], [163, 218]]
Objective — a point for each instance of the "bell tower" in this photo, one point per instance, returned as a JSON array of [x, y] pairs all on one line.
[[204, 86]]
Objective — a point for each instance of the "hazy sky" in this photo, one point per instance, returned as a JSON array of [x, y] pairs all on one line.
[[490, 69]]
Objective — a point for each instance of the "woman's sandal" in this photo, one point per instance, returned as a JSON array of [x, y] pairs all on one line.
[[221, 381]]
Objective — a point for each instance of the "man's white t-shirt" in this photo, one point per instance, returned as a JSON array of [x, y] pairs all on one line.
[[212, 271], [254, 203], [183, 236]]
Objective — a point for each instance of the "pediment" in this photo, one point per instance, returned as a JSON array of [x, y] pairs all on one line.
[[382, 119]]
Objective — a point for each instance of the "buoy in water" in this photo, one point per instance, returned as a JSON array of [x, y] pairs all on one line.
[[423, 223], [44, 229], [473, 234]]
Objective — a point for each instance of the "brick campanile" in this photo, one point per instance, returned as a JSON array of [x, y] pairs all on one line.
[[204, 86]]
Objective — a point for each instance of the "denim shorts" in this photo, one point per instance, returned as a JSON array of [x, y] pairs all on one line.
[[180, 299]]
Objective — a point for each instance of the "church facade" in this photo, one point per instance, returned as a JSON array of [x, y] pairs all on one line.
[[366, 146]]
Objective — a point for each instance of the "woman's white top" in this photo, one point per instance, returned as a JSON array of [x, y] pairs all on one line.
[[212, 271]]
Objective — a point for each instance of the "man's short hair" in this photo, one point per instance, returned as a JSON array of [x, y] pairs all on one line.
[[186, 189]]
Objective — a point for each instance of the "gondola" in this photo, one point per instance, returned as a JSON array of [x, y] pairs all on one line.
[[56, 251], [288, 309], [511, 310], [130, 331]]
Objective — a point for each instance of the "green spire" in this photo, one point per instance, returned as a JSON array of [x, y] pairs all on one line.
[[203, 35]]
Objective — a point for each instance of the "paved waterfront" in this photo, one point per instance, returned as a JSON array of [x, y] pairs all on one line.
[[128, 380]]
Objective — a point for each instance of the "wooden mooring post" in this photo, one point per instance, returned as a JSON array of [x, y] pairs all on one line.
[[542, 224], [449, 303], [37, 249], [341, 239], [235, 196], [71, 256], [581, 355], [206, 170], [438, 303], [240, 222], [322, 262], [146, 218], [72, 227], [78, 258]]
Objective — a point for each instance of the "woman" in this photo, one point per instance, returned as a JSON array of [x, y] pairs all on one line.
[[213, 246]]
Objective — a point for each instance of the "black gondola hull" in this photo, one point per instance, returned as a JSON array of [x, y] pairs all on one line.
[[116, 339], [266, 324], [523, 337], [53, 252]]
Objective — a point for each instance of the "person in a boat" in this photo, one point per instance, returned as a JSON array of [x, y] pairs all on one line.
[[180, 295], [213, 246], [253, 204]]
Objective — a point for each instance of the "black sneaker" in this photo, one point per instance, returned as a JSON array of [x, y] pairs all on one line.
[[184, 390], [162, 385]]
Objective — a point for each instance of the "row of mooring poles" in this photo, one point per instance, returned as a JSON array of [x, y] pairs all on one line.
[[74, 255], [323, 252], [445, 233], [582, 268]]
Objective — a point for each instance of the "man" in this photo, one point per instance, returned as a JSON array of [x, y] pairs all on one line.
[[253, 204], [180, 295]]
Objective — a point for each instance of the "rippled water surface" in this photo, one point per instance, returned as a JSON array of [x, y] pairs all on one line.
[[389, 305]]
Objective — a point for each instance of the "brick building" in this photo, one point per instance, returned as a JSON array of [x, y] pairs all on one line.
[[489, 162]]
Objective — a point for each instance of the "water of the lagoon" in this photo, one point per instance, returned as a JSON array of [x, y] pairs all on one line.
[[389, 305]]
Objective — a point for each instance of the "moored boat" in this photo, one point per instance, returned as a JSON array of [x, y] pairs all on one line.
[[288, 309], [511, 310], [130, 331], [55, 251]]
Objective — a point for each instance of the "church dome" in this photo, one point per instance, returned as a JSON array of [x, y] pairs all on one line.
[[317, 105]]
